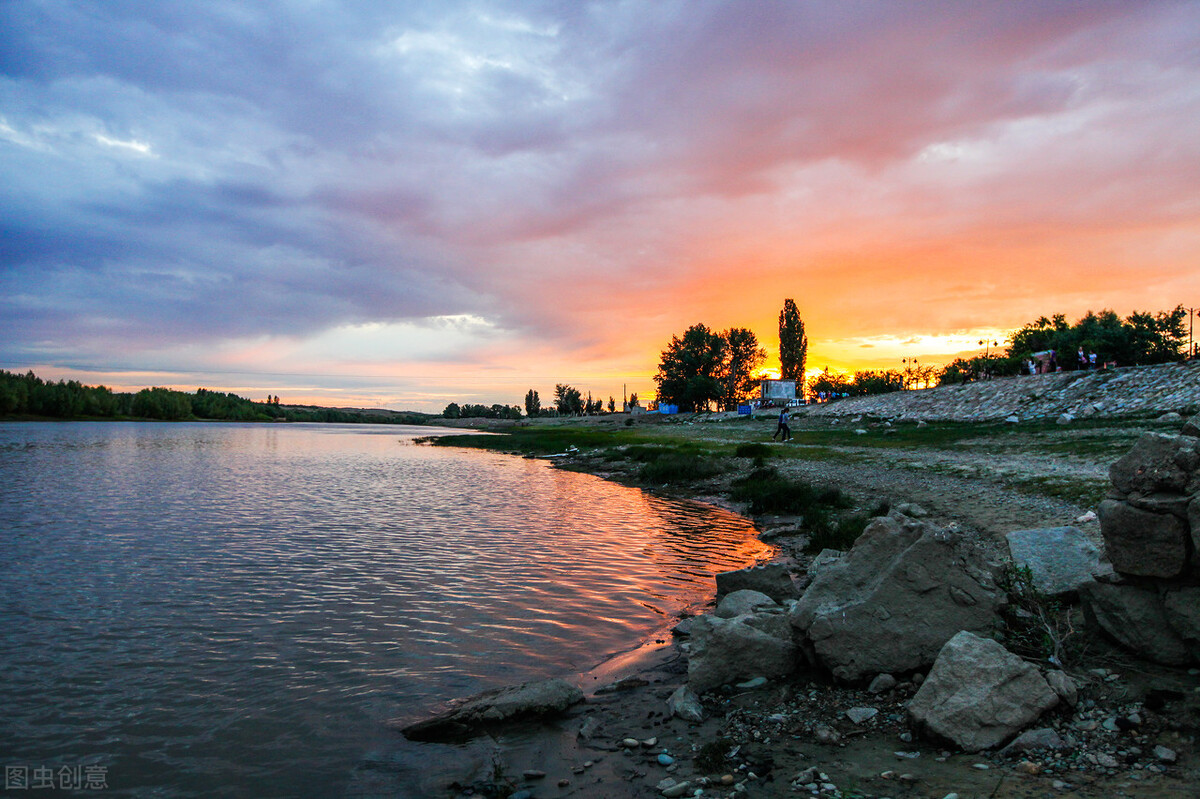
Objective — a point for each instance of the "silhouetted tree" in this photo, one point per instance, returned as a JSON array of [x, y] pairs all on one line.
[[793, 343], [743, 357], [533, 403], [568, 400], [691, 369]]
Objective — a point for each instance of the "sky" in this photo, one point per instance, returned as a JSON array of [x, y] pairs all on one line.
[[404, 204]]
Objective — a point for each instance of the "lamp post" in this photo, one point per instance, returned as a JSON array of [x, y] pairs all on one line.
[[910, 367], [1192, 313]]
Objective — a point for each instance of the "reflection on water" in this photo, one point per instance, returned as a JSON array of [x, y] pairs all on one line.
[[233, 609]]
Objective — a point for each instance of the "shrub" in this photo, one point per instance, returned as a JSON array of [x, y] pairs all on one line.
[[1035, 625]]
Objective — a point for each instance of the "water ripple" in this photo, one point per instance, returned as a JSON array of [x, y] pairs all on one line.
[[233, 609]]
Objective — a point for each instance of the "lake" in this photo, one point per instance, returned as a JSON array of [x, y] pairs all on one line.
[[235, 610]]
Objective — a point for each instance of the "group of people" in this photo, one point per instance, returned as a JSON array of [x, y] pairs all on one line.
[[1047, 362]]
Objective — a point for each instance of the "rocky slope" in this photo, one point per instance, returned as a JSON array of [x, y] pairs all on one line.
[[1109, 392]]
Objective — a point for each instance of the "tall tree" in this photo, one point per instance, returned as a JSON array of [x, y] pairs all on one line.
[[793, 343], [691, 369], [743, 357], [533, 403]]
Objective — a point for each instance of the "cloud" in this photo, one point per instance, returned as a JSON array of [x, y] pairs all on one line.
[[598, 176]]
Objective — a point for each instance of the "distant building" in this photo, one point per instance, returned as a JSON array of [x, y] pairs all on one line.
[[777, 390]]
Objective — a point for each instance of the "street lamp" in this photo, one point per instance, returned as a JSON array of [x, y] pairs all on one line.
[[987, 346], [909, 369]]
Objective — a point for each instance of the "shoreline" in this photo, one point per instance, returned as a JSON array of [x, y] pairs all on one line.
[[595, 765]]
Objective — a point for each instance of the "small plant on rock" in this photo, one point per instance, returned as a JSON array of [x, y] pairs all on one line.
[[1036, 625]]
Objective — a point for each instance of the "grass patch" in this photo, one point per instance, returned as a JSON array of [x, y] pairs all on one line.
[[679, 467], [767, 491], [1085, 493], [753, 449]]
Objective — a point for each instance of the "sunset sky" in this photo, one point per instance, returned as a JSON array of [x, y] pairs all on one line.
[[402, 204]]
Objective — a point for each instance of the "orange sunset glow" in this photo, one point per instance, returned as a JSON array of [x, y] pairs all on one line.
[[376, 206]]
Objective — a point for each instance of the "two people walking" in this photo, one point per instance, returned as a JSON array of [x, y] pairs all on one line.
[[783, 427]]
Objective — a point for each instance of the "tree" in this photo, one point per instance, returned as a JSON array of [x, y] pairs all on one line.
[[612, 404], [633, 400], [691, 369], [743, 358], [793, 343], [568, 400], [452, 411], [533, 403]]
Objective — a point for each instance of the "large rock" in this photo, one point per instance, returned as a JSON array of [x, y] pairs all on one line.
[[1060, 558], [743, 601], [1157, 463], [1194, 525], [891, 602], [1182, 610], [530, 699], [978, 694], [1137, 619], [773, 579], [1192, 427], [1141, 543], [726, 650]]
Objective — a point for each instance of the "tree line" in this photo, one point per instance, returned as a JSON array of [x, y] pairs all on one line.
[[28, 395], [1140, 339]]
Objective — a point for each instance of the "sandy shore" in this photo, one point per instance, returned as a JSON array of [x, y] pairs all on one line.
[[981, 490]]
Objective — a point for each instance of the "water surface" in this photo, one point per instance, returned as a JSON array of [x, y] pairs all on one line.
[[219, 609]]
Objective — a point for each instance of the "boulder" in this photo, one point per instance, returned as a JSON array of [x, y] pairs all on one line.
[[1194, 526], [773, 579], [743, 601], [527, 700], [1157, 462], [1060, 558], [979, 695], [1173, 504], [1137, 619], [1141, 543], [1182, 609], [1192, 427], [892, 601], [727, 650]]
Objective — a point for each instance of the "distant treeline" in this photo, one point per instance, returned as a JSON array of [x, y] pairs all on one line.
[[1139, 339], [28, 395]]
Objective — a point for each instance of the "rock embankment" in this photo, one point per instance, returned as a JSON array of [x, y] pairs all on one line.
[[1161, 388]]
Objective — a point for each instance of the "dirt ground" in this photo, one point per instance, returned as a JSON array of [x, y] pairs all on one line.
[[982, 488]]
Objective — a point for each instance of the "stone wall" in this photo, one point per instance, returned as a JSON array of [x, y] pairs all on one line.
[[1111, 392]]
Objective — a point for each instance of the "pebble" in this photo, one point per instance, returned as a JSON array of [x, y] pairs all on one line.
[[631, 743], [563, 783], [665, 760], [649, 742], [678, 789], [1164, 754], [533, 774], [860, 714], [981, 766]]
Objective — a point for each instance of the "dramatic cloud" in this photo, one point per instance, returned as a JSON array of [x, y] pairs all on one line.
[[417, 202]]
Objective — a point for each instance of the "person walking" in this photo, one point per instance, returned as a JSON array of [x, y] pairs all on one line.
[[783, 427]]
